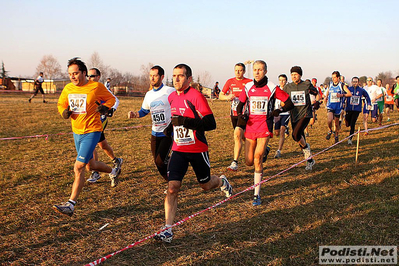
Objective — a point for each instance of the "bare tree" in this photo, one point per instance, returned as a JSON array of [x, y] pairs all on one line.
[[386, 77], [50, 67], [205, 78], [96, 61], [362, 80], [327, 81]]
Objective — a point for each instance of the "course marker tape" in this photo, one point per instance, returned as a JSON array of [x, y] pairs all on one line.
[[96, 262]]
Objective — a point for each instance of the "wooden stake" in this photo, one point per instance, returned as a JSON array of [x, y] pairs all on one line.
[[357, 145]]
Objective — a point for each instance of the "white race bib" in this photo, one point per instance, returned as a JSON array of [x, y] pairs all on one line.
[[258, 105], [389, 98], [334, 98], [158, 118], [183, 136], [77, 103], [355, 100], [298, 98]]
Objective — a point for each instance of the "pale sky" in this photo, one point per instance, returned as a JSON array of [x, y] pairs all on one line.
[[354, 37]]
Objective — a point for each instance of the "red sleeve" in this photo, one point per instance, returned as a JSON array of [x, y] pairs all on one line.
[[202, 106], [243, 96], [226, 87], [281, 95]]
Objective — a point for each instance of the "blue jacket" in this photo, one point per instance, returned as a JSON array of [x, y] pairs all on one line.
[[354, 103]]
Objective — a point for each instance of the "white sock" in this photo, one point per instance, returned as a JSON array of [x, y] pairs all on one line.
[[257, 179], [72, 201]]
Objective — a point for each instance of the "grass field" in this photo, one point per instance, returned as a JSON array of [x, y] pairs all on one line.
[[338, 203]]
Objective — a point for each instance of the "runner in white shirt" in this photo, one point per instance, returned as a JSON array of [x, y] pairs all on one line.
[[380, 100], [156, 102]]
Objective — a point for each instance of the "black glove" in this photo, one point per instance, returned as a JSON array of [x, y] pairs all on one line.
[[67, 113], [276, 112], [168, 130], [102, 109], [111, 112], [316, 105], [178, 120]]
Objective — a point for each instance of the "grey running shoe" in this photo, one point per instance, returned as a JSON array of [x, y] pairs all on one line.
[[328, 135], [226, 187], [257, 201], [350, 142], [309, 165], [233, 166], [66, 208], [94, 177], [165, 236], [114, 176], [117, 162], [278, 154]]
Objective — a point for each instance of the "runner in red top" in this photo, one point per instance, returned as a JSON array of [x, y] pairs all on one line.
[[191, 117], [231, 91], [260, 96]]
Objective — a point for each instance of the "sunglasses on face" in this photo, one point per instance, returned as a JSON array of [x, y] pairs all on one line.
[[92, 76]]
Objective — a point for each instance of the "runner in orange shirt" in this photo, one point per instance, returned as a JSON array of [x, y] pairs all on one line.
[[80, 101]]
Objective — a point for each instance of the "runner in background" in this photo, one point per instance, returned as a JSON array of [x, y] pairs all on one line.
[[231, 91], [380, 100], [156, 103], [95, 75], [335, 96], [395, 88], [354, 105], [389, 100], [301, 114], [38, 88], [281, 121]]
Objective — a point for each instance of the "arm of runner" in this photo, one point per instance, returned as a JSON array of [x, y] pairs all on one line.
[[205, 124], [223, 96], [347, 92], [366, 95]]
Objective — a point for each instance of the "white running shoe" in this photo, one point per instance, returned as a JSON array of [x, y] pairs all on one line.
[[233, 166], [226, 187], [350, 142], [165, 236], [309, 165], [278, 154], [94, 177]]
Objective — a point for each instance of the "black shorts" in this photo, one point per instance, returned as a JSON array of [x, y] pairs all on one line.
[[105, 123], [38, 89], [237, 121], [178, 165], [390, 106]]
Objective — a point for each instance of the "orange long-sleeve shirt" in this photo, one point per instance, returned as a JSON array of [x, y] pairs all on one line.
[[82, 101]]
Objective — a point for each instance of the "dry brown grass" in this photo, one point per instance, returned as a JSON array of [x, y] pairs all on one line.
[[337, 203]]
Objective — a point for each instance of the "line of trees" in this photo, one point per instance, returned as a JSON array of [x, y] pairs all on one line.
[[51, 68], [386, 77]]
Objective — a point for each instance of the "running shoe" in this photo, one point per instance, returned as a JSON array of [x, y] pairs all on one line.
[[30, 100], [366, 133], [117, 162], [328, 135], [233, 166], [278, 154], [266, 153], [336, 139], [350, 142], [309, 165], [114, 176], [165, 235], [226, 187], [94, 177], [66, 208], [389, 119], [257, 201]]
